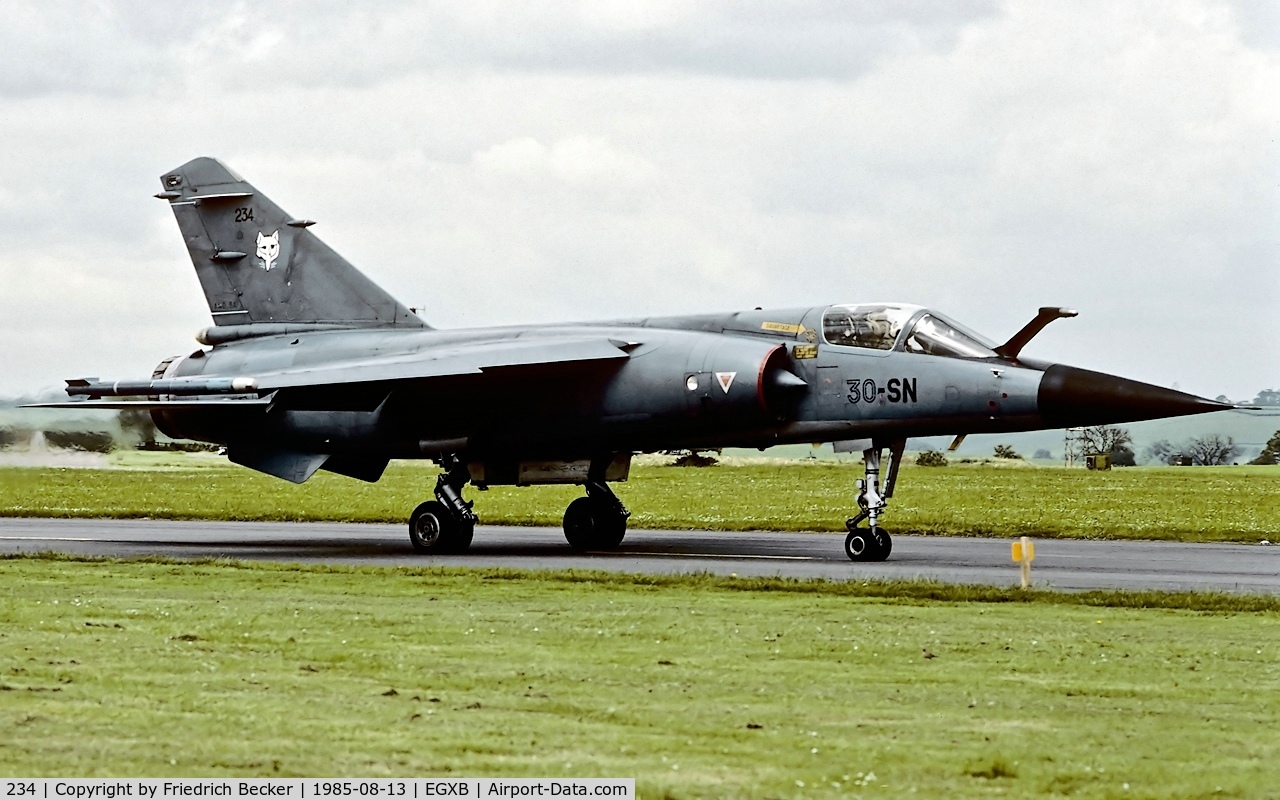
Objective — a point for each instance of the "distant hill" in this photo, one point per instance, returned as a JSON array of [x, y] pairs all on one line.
[[48, 419], [1250, 429]]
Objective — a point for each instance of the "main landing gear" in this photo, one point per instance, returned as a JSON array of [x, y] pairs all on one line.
[[446, 524], [597, 521], [873, 543]]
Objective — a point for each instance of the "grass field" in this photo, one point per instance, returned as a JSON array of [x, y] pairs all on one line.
[[1189, 504], [698, 687]]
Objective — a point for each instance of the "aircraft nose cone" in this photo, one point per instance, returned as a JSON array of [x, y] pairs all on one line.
[[1070, 397]]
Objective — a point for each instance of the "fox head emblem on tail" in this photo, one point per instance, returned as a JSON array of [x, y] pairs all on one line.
[[268, 249]]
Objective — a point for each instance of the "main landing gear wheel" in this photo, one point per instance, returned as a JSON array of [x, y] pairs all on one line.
[[597, 521], [592, 525], [868, 544], [446, 524], [433, 530]]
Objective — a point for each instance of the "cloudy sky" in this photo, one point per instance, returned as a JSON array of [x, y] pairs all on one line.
[[497, 162]]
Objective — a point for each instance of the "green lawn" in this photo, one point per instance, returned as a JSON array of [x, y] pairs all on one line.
[[1190, 504], [697, 687]]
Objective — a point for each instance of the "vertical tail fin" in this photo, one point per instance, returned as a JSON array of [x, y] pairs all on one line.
[[257, 264]]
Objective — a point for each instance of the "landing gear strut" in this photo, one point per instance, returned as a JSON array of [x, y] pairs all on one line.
[[446, 524], [873, 543], [597, 521]]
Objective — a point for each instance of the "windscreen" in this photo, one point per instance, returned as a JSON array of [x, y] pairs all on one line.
[[938, 337]]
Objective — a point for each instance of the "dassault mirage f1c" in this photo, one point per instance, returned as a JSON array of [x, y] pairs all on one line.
[[309, 365]]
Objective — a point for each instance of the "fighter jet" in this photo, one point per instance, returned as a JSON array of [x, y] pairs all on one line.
[[309, 365]]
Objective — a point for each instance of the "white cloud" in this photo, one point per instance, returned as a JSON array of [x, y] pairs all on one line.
[[579, 160], [572, 160], [134, 46]]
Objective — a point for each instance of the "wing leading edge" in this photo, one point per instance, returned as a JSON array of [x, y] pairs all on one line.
[[247, 391]]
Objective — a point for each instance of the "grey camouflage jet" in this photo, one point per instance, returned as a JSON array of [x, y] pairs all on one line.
[[309, 365]]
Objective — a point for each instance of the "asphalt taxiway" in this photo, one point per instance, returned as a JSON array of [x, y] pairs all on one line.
[[1060, 563]]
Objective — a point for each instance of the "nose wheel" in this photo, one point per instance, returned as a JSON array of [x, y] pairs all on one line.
[[868, 544], [873, 543]]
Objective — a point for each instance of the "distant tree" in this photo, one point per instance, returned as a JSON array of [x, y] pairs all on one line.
[[1267, 397], [1043, 453], [1211, 450], [931, 458], [693, 458], [1103, 438], [1162, 452], [1122, 456], [1271, 453], [180, 447], [91, 441], [8, 437], [138, 427], [1005, 451]]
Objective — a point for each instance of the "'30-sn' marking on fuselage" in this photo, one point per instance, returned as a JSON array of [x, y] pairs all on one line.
[[897, 390]]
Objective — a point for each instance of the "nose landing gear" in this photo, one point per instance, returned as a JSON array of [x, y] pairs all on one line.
[[873, 543]]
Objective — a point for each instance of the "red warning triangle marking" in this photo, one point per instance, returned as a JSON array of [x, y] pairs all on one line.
[[726, 380]]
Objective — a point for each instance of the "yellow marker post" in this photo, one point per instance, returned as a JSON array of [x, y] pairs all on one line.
[[1024, 552]]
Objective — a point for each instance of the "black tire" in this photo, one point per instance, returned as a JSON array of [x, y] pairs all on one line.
[[593, 525], [432, 529], [611, 528], [462, 538], [861, 545], [884, 544]]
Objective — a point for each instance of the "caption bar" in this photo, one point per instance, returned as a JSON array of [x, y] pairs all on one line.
[[304, 788]]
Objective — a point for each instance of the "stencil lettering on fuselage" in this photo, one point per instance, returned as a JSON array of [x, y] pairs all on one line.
[[896, 390]]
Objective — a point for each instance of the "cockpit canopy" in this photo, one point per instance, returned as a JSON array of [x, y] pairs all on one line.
[[876, 326], [892, 326]]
